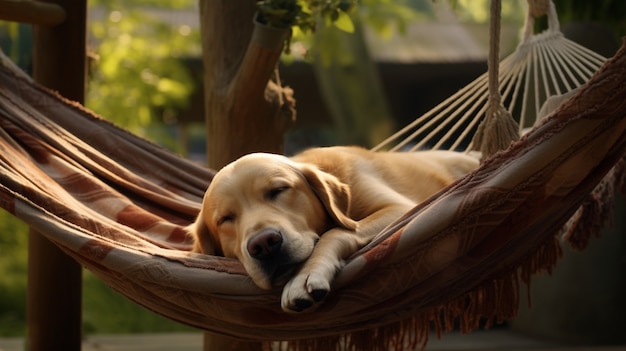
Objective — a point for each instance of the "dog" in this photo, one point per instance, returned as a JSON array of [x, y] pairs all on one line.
[[293, 221]]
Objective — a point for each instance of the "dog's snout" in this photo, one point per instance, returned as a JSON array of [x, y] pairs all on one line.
[[265, 244]]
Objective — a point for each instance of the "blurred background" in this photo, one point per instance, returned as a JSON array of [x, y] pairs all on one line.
[[403, 58]]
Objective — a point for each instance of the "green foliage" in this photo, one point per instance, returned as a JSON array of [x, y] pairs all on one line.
[[478, 11], [138, 77], [107, 312], [282, 13], [13, 260], [15, 40], [383, 16], [304, 14]]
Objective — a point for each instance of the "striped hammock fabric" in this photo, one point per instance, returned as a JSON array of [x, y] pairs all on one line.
[[118, 204]]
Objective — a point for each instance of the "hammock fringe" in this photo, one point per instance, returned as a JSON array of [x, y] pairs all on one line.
[[596, 211], [489, 304]]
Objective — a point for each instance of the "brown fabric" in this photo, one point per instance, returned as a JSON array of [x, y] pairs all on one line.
[[118, 203]]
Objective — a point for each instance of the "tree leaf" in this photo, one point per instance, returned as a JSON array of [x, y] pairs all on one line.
[[344, 22]]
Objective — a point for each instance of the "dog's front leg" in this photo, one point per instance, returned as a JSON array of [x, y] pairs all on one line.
[[312, 282]]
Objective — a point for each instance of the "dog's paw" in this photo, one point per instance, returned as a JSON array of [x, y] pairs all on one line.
[[303, 292]]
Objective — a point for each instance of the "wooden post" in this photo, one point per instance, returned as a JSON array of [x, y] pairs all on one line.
[[55, 279], [246, 108]]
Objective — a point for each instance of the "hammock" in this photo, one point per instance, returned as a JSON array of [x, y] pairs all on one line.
[[118, 205]]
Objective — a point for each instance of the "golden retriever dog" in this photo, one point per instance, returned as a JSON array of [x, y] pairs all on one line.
[[293, 221]]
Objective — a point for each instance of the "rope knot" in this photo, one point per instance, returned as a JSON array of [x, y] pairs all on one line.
[[538, 8], [496, 132]]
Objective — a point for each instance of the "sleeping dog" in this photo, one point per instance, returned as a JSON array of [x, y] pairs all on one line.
[[293, 221]]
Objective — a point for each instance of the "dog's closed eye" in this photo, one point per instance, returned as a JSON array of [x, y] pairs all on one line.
[[273, 193], [229, 218]]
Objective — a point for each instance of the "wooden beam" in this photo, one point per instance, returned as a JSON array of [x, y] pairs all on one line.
[[54, 279], [33, 12]]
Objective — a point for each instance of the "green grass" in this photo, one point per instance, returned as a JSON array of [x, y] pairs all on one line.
[[104, 310]]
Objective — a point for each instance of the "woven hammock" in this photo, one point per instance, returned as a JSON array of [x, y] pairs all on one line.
[[118, 204]]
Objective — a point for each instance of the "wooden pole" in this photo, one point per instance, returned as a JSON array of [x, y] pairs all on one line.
[[55, 279]]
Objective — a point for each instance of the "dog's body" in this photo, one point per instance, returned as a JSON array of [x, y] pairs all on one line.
[[294, 220]]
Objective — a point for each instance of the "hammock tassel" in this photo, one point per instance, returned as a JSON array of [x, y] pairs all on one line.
[[498, 129], [496, 132]]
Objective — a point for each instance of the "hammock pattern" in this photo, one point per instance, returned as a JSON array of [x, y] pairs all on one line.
[[118, 204]]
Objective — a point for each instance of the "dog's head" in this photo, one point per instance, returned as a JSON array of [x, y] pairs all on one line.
[[269, 211]]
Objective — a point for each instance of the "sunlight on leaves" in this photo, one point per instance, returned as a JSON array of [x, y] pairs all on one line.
[[478, 11], [344, 22], [139, 76]]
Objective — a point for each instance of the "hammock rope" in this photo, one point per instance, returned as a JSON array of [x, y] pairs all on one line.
[[118, 204], [498, 129], [543, 65]]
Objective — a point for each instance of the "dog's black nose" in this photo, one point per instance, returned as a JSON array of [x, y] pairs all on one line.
[[265, 244]]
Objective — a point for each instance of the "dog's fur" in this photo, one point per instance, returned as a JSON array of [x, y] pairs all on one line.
[[294, 220]]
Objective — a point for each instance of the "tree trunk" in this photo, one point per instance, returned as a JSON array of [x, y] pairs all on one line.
[[246, 108]]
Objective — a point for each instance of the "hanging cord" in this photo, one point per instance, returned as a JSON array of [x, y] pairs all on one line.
[[498, 129], [536, 9]]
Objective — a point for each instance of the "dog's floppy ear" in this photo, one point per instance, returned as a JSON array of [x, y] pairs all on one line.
[[202, 239], [334, 195]]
